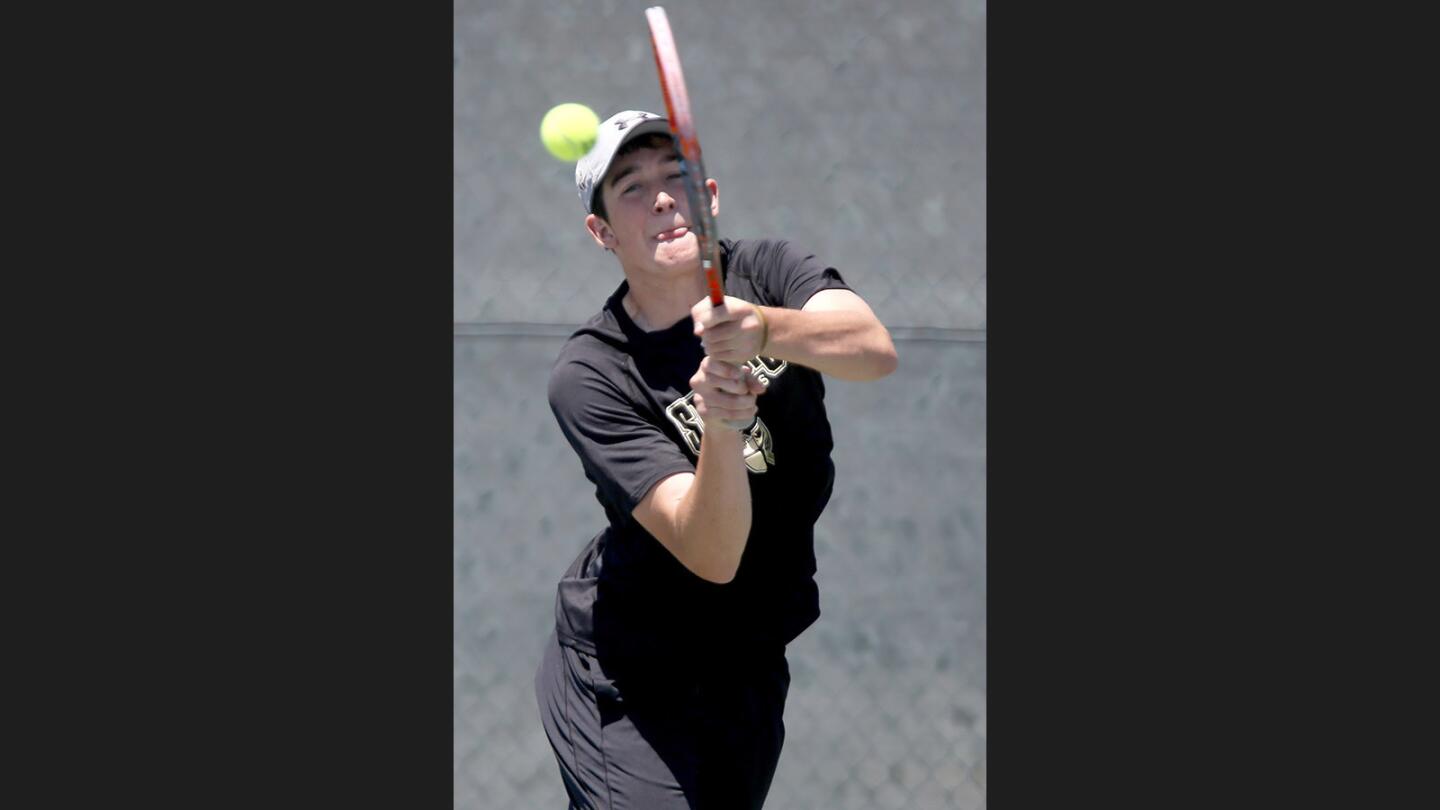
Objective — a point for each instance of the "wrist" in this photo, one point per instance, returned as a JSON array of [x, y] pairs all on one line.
[[722, 427], [764, 330]]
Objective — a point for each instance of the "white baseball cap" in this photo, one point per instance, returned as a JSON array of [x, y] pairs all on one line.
[[614, 133]]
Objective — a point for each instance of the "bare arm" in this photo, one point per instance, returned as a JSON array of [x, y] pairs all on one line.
[[703, 517], [836, 333]]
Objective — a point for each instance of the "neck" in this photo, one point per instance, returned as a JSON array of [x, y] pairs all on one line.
[[657, 303]]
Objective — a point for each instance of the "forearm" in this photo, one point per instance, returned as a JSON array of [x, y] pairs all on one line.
[[712, 522], [844, 344]]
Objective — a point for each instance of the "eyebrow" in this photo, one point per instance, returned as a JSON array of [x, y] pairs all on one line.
[[633, 168], [629, 170]]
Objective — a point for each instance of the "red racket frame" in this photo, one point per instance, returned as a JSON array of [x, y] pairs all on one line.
[[682, 127]]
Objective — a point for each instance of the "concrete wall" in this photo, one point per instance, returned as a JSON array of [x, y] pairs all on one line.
[[852, 127]]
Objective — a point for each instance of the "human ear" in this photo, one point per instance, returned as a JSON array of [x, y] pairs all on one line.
[[600, 231]]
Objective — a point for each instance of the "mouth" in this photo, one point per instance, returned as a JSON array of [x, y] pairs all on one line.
[[672, 234]]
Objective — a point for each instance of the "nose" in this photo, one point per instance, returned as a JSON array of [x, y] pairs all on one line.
[[664, 202]]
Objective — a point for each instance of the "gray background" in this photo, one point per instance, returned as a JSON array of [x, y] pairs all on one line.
[[856, 130]]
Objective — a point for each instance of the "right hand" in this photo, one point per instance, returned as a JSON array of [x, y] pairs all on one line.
[[725, 394]]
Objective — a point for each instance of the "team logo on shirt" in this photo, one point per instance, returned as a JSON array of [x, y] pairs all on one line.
[[759, 444], [767, 368]]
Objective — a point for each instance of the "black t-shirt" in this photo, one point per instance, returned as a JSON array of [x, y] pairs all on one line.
[[623, 400]]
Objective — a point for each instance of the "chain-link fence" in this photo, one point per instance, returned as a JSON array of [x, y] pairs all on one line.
[[855, 130], [887, 701]]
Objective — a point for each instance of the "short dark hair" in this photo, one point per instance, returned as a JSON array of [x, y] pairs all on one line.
[[655, 140]]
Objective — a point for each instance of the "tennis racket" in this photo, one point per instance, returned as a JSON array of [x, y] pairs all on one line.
[[692, 168]]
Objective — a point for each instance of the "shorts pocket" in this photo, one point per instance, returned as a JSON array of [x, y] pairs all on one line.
[[600, 687]]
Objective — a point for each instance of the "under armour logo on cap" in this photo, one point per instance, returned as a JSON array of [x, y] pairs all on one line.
[[625, 123]]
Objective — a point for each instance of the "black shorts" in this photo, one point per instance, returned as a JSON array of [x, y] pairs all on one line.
[[691, 741]]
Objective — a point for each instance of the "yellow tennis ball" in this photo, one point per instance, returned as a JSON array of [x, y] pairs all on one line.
[[569, 130]]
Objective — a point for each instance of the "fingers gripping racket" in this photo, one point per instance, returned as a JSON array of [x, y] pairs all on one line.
[[682, 127]]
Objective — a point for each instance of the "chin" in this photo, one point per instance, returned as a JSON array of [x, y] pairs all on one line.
[[683, 251]]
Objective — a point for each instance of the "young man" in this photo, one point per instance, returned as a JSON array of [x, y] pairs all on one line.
[[704, 432]]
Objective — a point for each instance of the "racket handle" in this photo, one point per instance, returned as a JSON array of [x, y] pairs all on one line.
[[712, 277]]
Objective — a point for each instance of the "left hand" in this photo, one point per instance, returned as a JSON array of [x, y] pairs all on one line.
[[733, 332]]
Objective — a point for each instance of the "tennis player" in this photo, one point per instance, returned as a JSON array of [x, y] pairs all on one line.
[[704, 432]]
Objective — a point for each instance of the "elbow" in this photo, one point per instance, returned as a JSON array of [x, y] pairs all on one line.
[[869, 365], [886, 360], [714, 556], [719, 576], [717, 570], [883, 359]]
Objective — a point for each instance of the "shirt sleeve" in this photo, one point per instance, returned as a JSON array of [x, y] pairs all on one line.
[[791, 275], [624, 453]]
